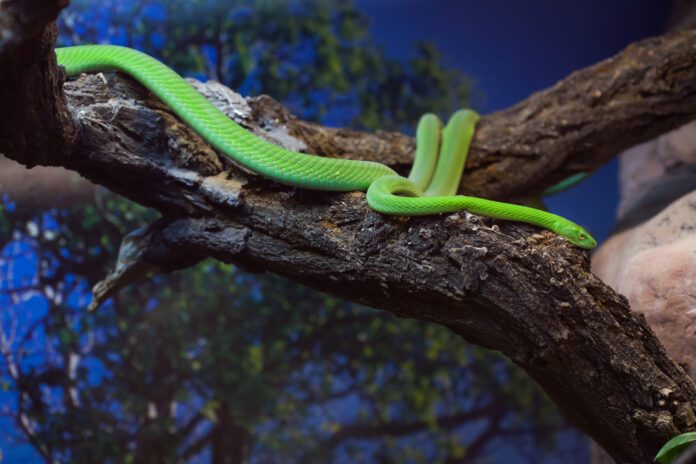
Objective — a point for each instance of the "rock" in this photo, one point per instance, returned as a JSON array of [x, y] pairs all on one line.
[[648, 163], [654, 266]]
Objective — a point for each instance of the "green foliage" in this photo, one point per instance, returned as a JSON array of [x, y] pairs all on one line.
[[671, 451], [317, 56]]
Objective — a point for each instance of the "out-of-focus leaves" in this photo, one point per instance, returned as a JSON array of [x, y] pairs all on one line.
[[316, 56]]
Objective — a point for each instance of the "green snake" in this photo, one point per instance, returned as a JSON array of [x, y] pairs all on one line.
[[429, 189]]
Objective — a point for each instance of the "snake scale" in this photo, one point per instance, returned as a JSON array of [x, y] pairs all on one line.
[[429, 189]]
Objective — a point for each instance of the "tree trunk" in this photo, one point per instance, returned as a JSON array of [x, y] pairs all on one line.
[[507, 286], [230, 441]]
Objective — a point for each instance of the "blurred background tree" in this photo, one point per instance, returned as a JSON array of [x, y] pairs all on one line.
[[314, 55], [213, 364]]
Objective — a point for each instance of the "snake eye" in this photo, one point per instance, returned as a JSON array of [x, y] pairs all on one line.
[[582, 236]]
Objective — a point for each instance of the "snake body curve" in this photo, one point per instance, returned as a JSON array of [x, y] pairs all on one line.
[[429, 189]]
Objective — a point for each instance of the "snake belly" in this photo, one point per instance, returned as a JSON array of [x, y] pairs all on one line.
[[429, 189]]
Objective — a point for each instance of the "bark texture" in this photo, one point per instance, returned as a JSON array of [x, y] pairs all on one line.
[[506, 286], [34, 123]]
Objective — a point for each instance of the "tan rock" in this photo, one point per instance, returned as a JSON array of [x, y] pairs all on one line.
[[654, 266], [646, 163]]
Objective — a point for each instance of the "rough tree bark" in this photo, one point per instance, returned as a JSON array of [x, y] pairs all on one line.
[[506, 286]]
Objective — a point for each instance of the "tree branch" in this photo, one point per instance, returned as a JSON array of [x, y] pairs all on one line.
[[575, 126], [400, 428], [506, 286], [35, 125]]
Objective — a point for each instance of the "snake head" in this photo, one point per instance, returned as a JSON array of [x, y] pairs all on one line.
[[576, 235]]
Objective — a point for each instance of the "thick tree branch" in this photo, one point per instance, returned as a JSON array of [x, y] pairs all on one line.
[[34, 123], [587, 118], [506, 286], [401, 428], [575, 126], [21, 21]]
